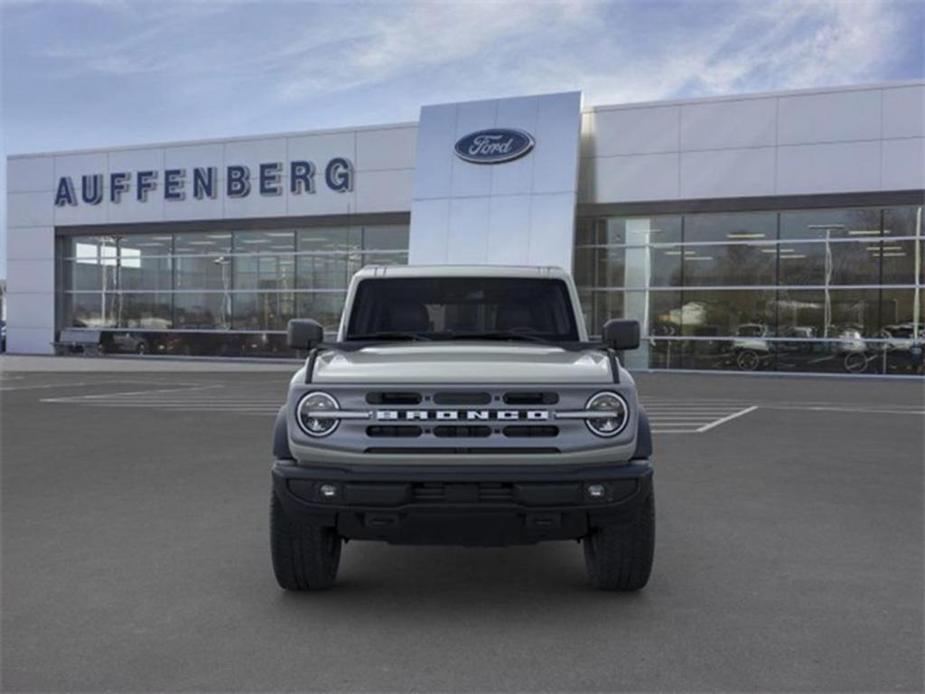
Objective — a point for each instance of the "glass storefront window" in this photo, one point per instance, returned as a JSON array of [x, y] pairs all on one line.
[[91, 310], [828, 263], [729, 265], [202, 272], [264, 271], [216, 280], [830, 224], [202, 310], [724, 313], [262, 310], [612, 231], [837, 290], [324, 307], [385, 238], [740, 226], [150, 310], [836, 314], [203, 243], [329, 239]]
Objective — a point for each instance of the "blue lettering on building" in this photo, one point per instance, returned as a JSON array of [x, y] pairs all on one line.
[[270, 175], [118, 184], [338, 177], [238, 181], [91, 189], [174, 180], [147, 181], [65, 193], [205, 182], [301, 177]]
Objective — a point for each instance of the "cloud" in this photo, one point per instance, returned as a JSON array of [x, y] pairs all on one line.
[[143, 70], [410, 37]]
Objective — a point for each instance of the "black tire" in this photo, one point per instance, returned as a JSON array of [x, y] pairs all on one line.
[[305, 557], [748, 360], [855, 363], [619, 557]]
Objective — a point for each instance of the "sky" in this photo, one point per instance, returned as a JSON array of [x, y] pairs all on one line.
[[96, 73]]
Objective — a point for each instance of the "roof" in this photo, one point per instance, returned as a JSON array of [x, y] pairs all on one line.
[[461, 271]]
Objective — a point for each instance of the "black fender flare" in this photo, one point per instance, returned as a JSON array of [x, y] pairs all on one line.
[[281, 437], [643, 437]]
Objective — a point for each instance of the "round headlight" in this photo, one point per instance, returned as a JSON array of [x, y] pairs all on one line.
[[315, 403], [610, 414]]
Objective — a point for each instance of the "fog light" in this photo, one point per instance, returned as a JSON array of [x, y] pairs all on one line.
[[597, 491], [327, 491]]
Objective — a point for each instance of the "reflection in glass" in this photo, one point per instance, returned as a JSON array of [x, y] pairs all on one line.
[[264, 271], [203, 243], [728, 265], [737, 226], [324, 307], [262, 310], [728, 312], [90, 310], [848, 314], [151, 310], [862, 223], [203, 272], [202, 310]]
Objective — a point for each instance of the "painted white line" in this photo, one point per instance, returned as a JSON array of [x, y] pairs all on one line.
[[674, 431], [682, 415], [49, 385], [88, 398], [728, 418], [817, 408]]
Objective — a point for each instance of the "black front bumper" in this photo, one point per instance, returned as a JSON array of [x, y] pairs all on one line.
[[460, 505]]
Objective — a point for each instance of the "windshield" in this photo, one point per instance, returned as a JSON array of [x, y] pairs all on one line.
[[491, 308]]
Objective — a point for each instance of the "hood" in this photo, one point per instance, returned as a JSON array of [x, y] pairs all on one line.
[[470, 363]]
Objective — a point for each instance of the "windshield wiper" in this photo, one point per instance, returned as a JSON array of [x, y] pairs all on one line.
[[389, 335]]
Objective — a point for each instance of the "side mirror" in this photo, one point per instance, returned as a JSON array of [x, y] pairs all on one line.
[[621, 334], [303, 333]]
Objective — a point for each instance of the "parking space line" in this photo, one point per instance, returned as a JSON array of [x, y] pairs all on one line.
[[728, 418]]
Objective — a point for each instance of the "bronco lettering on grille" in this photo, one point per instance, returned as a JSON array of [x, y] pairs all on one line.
[[466, 415]]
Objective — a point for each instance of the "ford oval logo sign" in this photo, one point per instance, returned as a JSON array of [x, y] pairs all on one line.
[[494, 146]]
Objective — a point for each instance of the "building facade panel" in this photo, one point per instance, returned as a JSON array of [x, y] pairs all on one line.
[[30, 243], [30, 275], [30, 174], [728, 124], [904, 112], [725, 172], [840, 116], [634, 177], [29, 209], [829, 168], [386, 148], [904, 164], [763, 232], [634, 131]]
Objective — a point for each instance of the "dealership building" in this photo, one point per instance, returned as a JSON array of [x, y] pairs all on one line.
[[777, 232]]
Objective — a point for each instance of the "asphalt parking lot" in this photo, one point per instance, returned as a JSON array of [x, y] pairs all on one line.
[[135, 552]]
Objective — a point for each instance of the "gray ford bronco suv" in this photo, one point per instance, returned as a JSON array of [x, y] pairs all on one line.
[[462, 406]]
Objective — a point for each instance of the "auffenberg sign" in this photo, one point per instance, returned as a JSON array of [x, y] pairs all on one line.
[[203, 182]]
